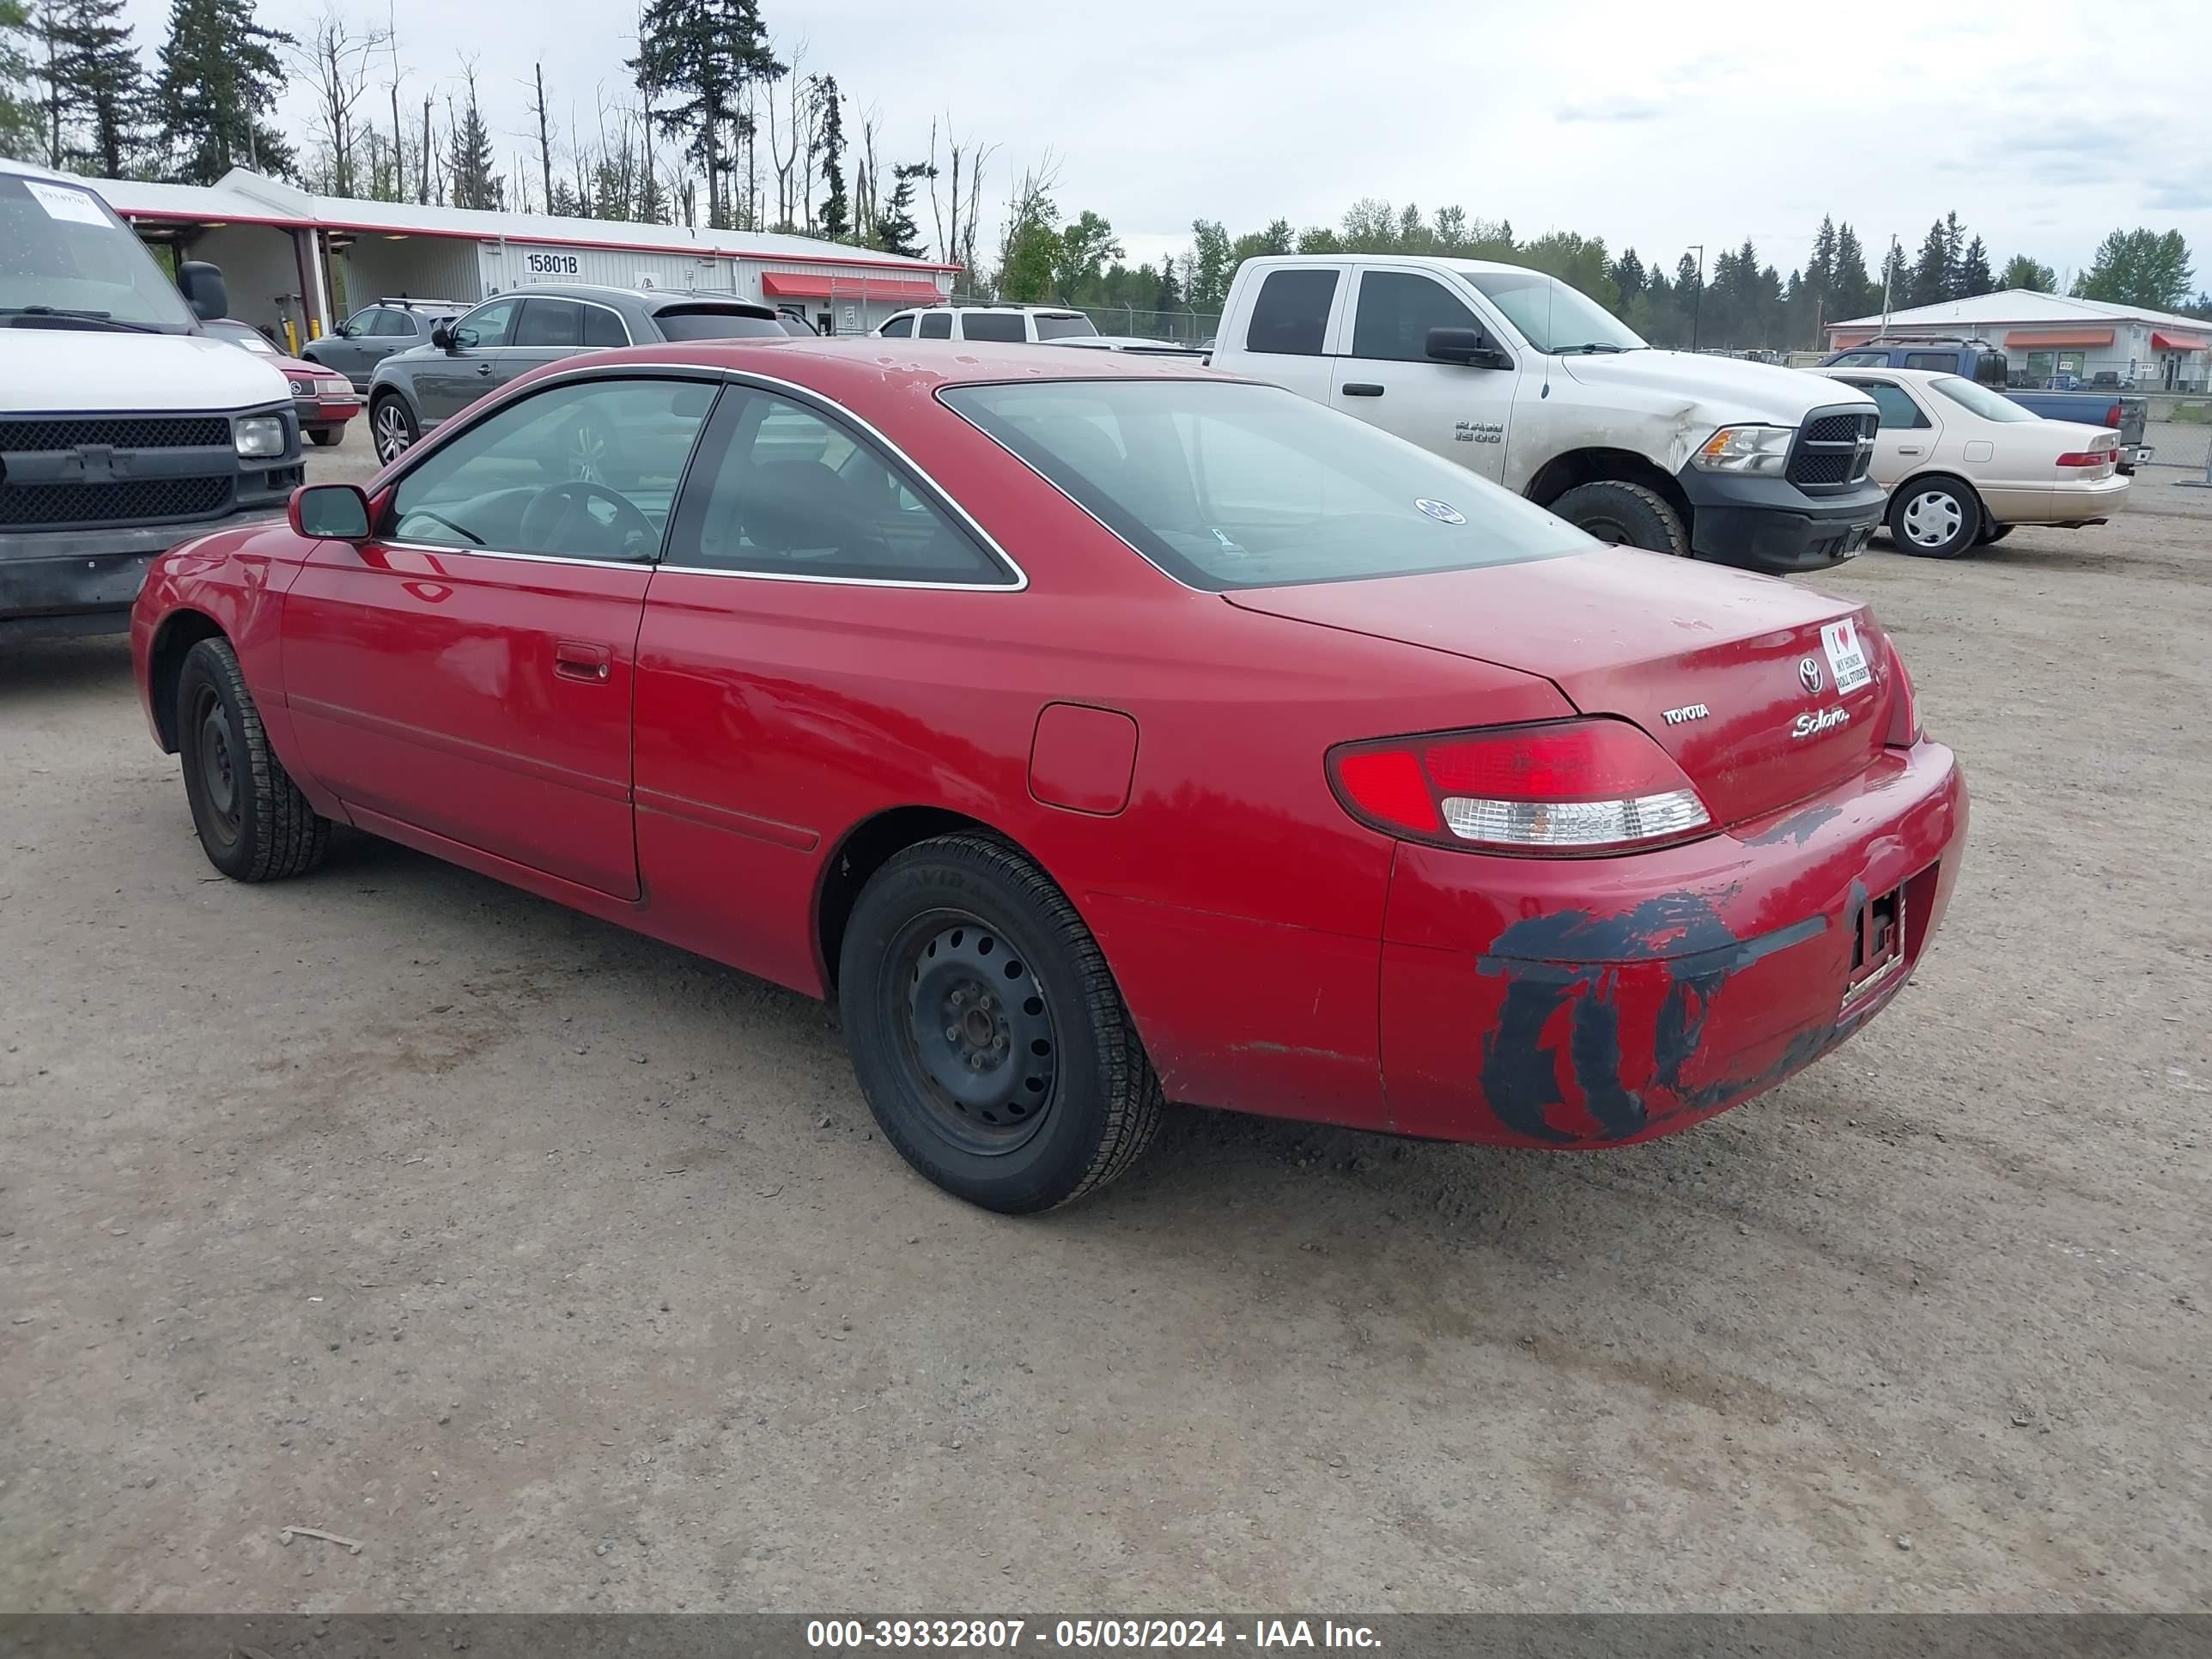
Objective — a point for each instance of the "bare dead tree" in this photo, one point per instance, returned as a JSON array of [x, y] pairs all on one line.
[[544, 138], [398, 141], [783, 148], [956, 217], [336, 60], [422, 175], [865, 178]]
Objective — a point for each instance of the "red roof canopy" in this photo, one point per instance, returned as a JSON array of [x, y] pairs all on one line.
[[786, 285], [2178, 342]]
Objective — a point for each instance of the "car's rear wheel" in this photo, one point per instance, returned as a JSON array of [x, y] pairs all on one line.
[[1625, 514], [1995, 532], [988, 1033], [326, 436], [394, 426], [253, 823], [1934, 518]]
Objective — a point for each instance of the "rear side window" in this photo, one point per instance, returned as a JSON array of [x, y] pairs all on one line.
[[898, 328], [549, 323], [1897, 409], [390, 325], [1227, 485], [787, 492], [1943, 361], [715, 323], [936, 326], [1291, 317], [993, 326], [1863, 360]]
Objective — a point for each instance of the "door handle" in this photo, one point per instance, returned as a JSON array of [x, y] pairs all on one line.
[[579, 659], [1908, 449], [483, 368], [1362, 389]]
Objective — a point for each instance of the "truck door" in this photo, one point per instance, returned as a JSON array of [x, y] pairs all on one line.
[[1387, 378]]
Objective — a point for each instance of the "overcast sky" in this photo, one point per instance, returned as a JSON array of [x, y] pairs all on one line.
[[1652, 123]]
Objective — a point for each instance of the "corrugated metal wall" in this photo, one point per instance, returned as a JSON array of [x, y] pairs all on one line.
[[260, 268], [424, 267], [518, 264]]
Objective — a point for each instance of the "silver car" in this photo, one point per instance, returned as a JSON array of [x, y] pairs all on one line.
[[412, 392]]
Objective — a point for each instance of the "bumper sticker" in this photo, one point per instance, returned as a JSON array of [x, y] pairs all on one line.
[[1846, 656]]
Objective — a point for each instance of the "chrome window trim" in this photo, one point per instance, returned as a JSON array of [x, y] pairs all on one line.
[[588, 370]]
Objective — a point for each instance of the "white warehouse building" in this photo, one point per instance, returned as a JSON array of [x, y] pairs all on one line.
[[299, 262], [2047, 336]]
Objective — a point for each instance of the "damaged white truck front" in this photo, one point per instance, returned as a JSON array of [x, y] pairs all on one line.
[[123, 428], [1533, 386]]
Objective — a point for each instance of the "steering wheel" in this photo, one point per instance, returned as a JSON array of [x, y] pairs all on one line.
[[560, 519]]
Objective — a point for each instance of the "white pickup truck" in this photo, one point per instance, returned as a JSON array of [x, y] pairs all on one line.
[[123, 428], [1528, 383]]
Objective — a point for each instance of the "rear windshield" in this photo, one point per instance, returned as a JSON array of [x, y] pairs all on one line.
[[715, 322], [1225, 485], [1059, 328], [1989, 405]]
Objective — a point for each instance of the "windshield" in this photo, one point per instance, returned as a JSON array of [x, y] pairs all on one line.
[[1225, 485], [240, 335], [62, 251], [1981, 400], [1553, 317]]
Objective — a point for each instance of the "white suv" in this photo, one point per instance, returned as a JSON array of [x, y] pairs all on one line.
[[998, 323]]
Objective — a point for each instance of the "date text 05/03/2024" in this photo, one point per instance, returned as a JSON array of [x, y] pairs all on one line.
[[1012, 1635]]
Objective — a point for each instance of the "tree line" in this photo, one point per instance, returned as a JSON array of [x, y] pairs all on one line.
[[720, 125]]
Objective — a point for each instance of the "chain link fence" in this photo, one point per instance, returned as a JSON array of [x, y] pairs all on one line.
[[2179, 432]]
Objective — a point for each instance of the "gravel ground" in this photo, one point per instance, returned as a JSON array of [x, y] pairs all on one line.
[[562, 1270]]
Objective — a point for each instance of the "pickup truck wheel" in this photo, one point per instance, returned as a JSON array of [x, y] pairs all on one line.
[[253, 823], [1934, 518], [394, 425], [1625, 514], [988, 1033]]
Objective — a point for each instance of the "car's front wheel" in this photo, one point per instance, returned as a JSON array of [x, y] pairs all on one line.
[[394, 426], [253, 823], [1625, 514], [1934, 519], [988, 1033]]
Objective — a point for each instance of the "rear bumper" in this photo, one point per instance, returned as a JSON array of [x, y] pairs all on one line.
[[315, 412], [1769, 524], [1516, 1011]]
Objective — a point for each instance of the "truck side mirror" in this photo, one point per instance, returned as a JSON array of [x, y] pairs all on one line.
[[202, 285], [1470, 346]]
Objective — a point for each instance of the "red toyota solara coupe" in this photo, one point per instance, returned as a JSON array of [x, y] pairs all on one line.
[[1097, 731]]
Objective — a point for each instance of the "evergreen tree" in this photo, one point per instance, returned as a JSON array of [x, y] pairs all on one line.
[[1851, 291], [834, 219], [474, 164], [1929, 282], [1627, 274], [896, 230], [1974, 275], [19, 119], [219, 74], [2025, 272], [697, 57], [1896, 278], [95, 92]]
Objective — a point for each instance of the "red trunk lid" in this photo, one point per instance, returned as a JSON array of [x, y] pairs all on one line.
[[1764, 712]]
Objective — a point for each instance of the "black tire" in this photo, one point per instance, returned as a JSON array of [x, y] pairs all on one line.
[[1627, 514], [392, 427], [326, 436], [1995, 532], [1934, 518], [1056, 1098], [253, 823]]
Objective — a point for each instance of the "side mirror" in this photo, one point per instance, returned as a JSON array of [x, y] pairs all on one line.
[[1470, 346], [332, 512], [442, 337], [203, 288]]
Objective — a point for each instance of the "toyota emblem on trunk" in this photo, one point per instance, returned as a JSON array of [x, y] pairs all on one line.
[[1808, 673]]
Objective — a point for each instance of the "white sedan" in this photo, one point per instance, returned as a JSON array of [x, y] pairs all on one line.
[[1963, 465]]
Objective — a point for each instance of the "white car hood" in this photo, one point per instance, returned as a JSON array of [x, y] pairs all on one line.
[[62, 371], [1726, 388]]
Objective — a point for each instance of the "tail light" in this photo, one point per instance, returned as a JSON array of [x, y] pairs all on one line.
[[1574, 786], [2113, 416], [2103, 455]]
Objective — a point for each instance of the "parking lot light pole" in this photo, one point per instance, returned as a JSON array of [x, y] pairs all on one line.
[[1697, 298]]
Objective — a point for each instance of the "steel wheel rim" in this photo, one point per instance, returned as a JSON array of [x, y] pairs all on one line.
[[392, 436], [1933, 518], [586, 456], [217, 764], [975, 1029]]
